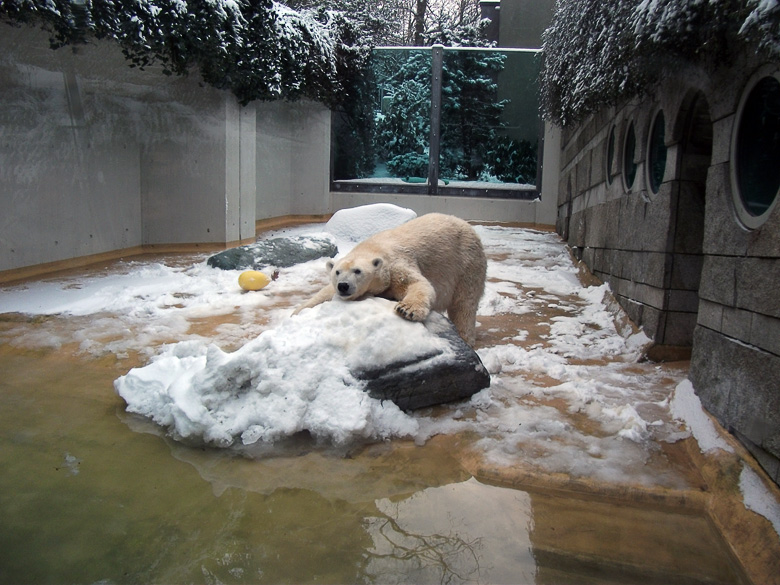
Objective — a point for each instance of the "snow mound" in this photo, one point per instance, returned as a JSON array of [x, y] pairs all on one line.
[[358, 223], [297, 377]]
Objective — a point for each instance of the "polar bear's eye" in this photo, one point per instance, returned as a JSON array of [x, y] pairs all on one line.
[[357, 271], [338, 272]]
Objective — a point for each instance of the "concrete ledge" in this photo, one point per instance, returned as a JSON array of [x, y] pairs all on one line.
[[533, 213], [37, 270], [275, 223], [718, 496]]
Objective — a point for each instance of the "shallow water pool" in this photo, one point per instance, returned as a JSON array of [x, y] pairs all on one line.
[[91, 494]]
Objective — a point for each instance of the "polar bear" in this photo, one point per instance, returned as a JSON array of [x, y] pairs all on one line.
[[432, 263]]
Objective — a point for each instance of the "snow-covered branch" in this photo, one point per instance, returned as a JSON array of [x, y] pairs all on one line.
[[599, 52], [259, 49]]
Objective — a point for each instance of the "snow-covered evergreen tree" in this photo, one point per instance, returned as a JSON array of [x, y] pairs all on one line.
[[403, 122], [471, 145], [471, 111]]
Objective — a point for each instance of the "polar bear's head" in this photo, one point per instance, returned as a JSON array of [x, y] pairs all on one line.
[[353, 277]]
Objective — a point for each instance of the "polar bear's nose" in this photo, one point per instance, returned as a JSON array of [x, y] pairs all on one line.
[[343, 287]]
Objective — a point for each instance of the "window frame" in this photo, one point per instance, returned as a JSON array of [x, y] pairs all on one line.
[[609, 156], [629, 131], [651, 187], [743, 215]]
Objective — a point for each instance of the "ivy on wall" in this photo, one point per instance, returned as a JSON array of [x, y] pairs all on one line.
[[599, 52], [258, 49]]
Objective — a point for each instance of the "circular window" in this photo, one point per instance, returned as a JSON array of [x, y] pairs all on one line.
[[656, 153], [610, 155], [755, 156], [629, 149]]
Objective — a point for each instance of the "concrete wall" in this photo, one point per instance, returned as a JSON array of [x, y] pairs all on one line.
[[69, 158], [100, 159], [97, 157], [626, 236], [293, 159], [678, 260]]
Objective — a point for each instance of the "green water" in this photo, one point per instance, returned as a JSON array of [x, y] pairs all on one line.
[[90, 494]]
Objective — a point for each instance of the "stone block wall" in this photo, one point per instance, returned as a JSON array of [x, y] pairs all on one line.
[[679, 260], [628, 236]]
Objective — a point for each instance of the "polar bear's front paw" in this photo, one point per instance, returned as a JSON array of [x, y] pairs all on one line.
[[411, 311]]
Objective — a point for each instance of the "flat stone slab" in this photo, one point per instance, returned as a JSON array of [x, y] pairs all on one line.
[[278, 252]]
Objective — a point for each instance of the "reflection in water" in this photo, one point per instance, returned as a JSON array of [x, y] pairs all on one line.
[[460, 533], [144, 509]]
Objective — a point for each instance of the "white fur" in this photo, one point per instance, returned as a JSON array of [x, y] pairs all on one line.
[[432, 263]]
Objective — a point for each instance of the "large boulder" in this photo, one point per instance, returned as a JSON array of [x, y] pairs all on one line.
[[446, 374], [347, 226], [277, 252]]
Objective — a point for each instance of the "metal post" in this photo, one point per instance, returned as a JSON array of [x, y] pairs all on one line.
[[434, 144]]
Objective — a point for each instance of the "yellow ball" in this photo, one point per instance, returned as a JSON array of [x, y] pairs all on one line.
[[253, 280]]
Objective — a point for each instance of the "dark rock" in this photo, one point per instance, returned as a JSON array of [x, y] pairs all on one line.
[[278, 252], [452, 374]]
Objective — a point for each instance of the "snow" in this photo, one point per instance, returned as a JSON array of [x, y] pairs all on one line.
[[758, 498], [448, 183], [358, 223], [686, 406], [584, 71], [294, 28], [567, 394], [259, 50], [763, 17], [294, 378]]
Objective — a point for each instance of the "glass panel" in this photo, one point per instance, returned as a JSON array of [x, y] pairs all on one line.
[[489, 126], [629, 166], [387, 134], [490, 117], [657, 153], [758, 147]]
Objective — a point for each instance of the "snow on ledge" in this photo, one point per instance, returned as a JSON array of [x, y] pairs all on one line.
[[686, 406], [443, 183], [758, 498]]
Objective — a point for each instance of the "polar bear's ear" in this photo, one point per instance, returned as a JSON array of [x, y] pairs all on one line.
[[377, 262], [329, 265]]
